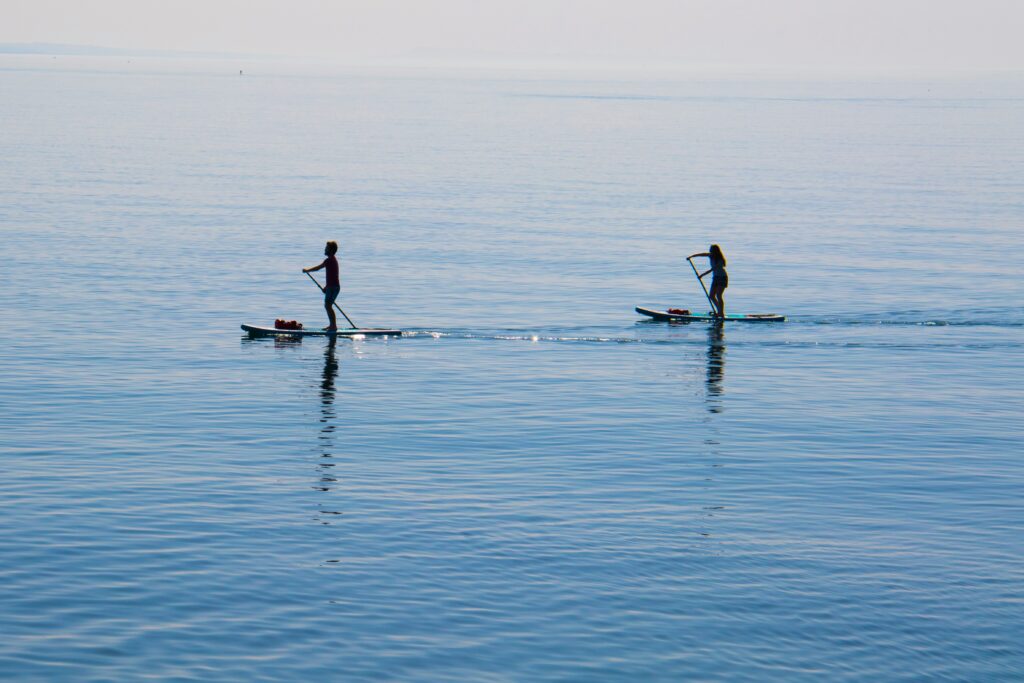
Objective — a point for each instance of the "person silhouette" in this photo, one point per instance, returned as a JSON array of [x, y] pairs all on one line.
[[333, 287], [719, 278]]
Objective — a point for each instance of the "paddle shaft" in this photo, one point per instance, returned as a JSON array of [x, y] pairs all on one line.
[[335, 303], [713, 306]]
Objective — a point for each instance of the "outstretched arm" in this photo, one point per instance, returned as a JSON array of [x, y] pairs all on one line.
[[310, 270], [693, 256]]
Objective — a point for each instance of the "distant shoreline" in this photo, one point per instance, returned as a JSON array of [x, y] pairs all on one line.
[[73, 50], [425, 60]]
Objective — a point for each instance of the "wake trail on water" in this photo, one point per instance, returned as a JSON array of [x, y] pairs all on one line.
[[997, 318], [705, 340]]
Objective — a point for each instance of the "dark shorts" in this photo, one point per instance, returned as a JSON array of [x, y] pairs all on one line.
[[330, 294], [720, 281]]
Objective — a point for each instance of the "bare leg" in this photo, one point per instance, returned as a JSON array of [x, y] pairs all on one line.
[[716, 299], [331, 317]]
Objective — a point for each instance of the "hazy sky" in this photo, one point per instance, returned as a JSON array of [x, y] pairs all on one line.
[[814, 33]]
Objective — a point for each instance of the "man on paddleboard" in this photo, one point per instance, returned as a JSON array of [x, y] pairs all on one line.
[[333, 287], [719, 278]]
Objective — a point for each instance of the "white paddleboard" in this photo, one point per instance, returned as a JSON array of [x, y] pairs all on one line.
[[256, 330], [697, 317]]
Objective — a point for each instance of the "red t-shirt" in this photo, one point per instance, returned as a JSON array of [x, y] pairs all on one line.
[[331, 265]]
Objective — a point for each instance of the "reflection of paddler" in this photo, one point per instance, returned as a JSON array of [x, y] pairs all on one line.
[[330, 372], [719, 278], [328, 418], [716, 359], [327, 391]]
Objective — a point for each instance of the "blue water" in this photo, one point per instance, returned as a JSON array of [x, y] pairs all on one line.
[[534, 484]]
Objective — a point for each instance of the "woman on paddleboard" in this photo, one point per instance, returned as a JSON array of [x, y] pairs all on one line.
[[719, 278], [333, 287]]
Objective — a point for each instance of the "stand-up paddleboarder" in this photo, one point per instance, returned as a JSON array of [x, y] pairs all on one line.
[[333, 287], [719, 278]]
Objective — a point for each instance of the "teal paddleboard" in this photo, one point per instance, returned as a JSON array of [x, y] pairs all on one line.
[[704, 317]]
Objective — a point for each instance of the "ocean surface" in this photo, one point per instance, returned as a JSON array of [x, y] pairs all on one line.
[[533, 484]]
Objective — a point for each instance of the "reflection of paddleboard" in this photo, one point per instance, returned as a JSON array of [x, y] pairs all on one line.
[[750, 318], [255, 330]]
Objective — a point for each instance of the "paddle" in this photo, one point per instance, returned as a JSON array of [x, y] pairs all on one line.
[[335, 303], [713, 307]]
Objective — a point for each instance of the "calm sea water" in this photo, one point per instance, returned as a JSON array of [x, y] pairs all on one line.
[[534, 485]]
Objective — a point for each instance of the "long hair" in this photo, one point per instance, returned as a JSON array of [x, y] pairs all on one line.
[[716, 254]]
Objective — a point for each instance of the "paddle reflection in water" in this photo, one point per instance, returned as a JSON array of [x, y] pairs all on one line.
[[716, 366]]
